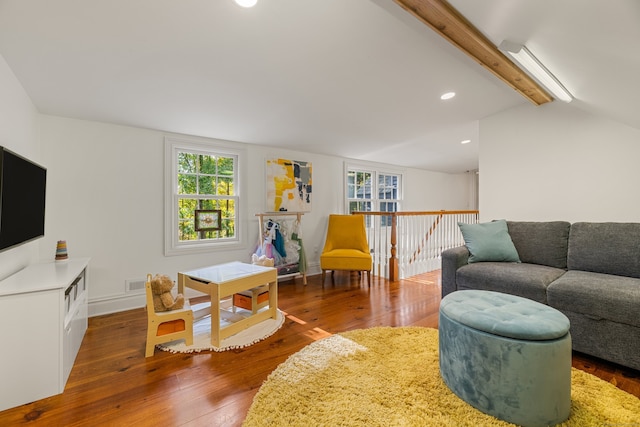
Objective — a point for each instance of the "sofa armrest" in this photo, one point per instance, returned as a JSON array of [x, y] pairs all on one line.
[[452, 260]]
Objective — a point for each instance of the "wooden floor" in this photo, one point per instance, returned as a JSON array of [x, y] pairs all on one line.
[[113, 384]]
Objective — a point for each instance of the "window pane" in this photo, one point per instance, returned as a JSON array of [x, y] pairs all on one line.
[[359, 206], [225, 186], [351, 184], [388, 187], [186, 216], [207, 164], [228, 208], [186, 230], [187, 163], [228, 228], [209, 235], [388, 207], [363, 183], [187, 184], [385, 187], [367, 189], [206, 184], [225, 166], [208, 204], [186, 208]]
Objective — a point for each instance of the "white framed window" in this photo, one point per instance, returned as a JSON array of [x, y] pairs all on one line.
[[202, 196], [369, 189]]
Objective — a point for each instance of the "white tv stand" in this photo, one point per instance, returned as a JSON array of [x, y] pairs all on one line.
[[44, 312]]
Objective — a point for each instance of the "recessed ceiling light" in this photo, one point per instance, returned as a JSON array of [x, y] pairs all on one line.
[[466, 141], [246, 3], [448, 95]]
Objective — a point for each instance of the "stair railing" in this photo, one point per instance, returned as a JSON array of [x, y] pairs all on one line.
[[404, 244]]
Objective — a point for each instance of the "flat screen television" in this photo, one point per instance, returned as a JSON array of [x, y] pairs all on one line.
[[22, 199]]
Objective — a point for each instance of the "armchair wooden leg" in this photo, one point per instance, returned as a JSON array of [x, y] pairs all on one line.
[[324, 273]]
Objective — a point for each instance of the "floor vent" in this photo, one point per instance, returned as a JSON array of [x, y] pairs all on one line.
[[136, 286]]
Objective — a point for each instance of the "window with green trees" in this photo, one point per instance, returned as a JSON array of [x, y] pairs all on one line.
[[202, 195], [206, 182]]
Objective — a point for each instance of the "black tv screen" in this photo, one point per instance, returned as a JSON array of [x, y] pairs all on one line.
[[22, 199]]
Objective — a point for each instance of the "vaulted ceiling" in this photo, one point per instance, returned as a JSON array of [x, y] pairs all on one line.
[[360, 79]]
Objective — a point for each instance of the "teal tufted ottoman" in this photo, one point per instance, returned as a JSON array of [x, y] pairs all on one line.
[[507, 356]]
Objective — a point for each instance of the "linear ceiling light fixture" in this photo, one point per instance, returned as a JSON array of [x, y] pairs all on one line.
[[246, 3], [533, 66]]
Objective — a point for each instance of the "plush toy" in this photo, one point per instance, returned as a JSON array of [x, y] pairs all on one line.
[[261, 260], [163, 300]]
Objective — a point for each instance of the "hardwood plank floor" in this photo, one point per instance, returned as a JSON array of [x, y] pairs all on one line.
[[113, 384]]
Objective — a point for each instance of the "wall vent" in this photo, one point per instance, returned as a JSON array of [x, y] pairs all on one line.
[[135, 286]]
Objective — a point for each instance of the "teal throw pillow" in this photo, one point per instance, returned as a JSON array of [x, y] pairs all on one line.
[[489, 241]]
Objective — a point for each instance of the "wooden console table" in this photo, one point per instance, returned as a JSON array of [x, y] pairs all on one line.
[[224, 280]]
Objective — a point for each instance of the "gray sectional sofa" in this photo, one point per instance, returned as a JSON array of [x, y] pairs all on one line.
[[588, 271]]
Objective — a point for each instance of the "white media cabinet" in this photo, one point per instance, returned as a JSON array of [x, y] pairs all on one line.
[[43, 312]]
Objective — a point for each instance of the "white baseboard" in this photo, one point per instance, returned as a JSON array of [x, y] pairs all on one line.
[[115, 304], [313, 269]]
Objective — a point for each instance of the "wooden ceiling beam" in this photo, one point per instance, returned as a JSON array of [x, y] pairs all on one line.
[[450, 24]]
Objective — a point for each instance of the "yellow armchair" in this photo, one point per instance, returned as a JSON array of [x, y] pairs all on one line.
[[346, 246]]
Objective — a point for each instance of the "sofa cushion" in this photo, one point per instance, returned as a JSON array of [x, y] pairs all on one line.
[[489, 241], [525, 280], [597, 296], [543, 243], [606, 247]]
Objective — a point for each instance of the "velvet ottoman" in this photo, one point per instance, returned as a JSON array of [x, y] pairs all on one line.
[[507, 356]]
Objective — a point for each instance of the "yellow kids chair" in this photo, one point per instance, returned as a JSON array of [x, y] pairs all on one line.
[[165, 326]]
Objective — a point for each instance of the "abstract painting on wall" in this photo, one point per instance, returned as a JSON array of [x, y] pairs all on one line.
[[288, 185]]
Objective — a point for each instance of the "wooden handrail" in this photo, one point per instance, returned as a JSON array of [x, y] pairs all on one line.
[[414, 213]]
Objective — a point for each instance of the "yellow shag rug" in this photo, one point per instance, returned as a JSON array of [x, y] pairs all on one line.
[[390, 377]]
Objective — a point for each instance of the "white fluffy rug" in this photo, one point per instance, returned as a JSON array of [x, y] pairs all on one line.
[[202, 334]]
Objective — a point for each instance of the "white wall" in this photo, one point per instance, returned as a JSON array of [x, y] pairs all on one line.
[[105, 198], [19, 133], [433, 191], [557, 162]]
